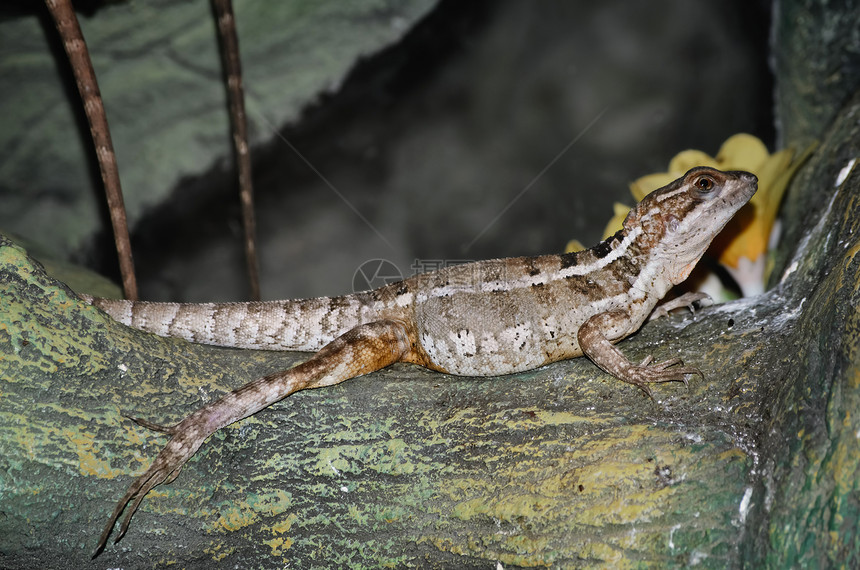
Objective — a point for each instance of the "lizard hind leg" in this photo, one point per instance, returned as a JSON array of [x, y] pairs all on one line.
[[361, 350]]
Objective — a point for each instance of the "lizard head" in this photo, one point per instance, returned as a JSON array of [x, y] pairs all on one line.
[[680, 220]]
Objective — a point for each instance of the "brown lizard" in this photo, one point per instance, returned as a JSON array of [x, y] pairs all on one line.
[[478, 319]]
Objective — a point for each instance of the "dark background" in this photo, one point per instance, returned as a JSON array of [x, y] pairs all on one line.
[[451, 144]]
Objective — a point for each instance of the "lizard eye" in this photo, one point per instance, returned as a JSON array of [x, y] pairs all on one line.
[[704, 184]]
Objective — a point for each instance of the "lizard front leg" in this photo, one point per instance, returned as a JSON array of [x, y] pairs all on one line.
[[359, 351], [594, 338], [686, 300]]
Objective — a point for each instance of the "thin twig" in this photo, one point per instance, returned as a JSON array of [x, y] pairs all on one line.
[[85, 77], [229, 43]]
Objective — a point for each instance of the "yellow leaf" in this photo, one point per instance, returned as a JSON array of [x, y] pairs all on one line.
[[643, 186], [687, 159], [615, 223], [742, 152], [573, 246]]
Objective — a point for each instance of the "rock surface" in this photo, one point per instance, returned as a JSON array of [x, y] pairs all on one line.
[[557, 466]]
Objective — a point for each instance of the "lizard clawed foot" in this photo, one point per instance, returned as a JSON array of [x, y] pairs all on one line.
[[672, 370], [185, 442]]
